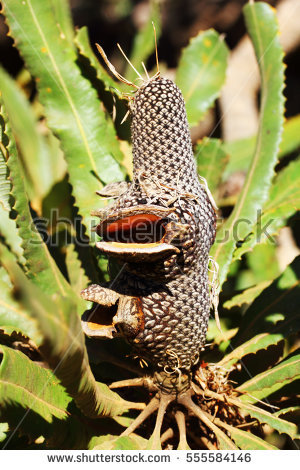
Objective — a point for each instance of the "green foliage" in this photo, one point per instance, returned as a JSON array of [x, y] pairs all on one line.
[[119, 443], [71, 105], [201, 73], [245, 440], [7, 224], [211, 161], [284, 201], [241, 151], [41, 266], [40, 307], [63, 345], [3, 431], [85, 50], [63, 19], [269, 382], [77, 277], [265, 417], [30, 386], [12, 317], [263, 30], [42, 166], [275, 309]]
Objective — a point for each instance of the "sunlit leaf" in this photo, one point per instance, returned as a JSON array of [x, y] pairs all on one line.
[[30, 386], [211, 161], [269, 381], [265, 417], [247, 296], [77, 276], [290, 411], [71, 105], [40, 166], [8, 226], [62, 13], [63, 345], [83, 43], [283, 202], [263, 30], [275, 310], [255, 344], [41, 267], [3, 431], [240, 151], [246, 440], [12, 316], [109, 442], [201, 73]]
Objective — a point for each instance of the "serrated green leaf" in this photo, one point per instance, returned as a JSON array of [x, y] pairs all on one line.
[[211, 161], [12, 317], [64, 344], [262, 262], [4, 180], [40, 168], [9, 231], [83, 43], [265, 417], [283, 202], [41, 267], [71, 105], [247, 296], [77, 276], [290, 137], [102, 81], [263, 30], [261, 265], [268, 382], [201, 73], [3, 431], [30, 386], [291, 410], [240, 151], [8, 227], [109, 442], [255, 344], [275, 310], [62, 13], [245, 440], [144, 44]]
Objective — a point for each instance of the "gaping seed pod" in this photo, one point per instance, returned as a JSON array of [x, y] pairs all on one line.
[[162, 226]]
